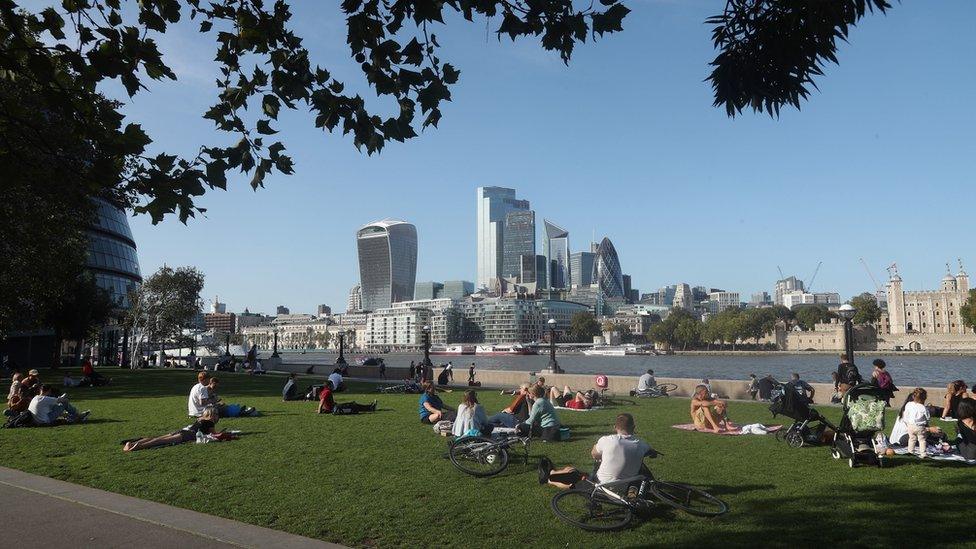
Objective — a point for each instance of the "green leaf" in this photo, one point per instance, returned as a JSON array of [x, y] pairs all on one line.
[[264, 128], [270, 104]]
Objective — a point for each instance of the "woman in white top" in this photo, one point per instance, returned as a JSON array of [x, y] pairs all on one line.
[[471, 415]]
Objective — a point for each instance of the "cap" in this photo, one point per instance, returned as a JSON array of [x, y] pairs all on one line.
[[33, 373]]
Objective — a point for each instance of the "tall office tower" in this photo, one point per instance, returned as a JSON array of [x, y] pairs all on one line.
[[282, 310], [494, 203], [387, 262], [628, 288], [541, 272], [427, 290], [683, 297], [518, 240], [606, 270], [556, 249], [455, 289], [527, 269], [355, 302], [581, 268]]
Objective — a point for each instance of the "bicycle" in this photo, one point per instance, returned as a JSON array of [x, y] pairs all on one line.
[[657, 391], [486, 456], [601, 508], [398, 389]]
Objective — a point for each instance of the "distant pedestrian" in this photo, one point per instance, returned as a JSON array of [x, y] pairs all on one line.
[[471, 374], [753, 386], [881, 378], [413, 370], [802, 388], [382, 369]]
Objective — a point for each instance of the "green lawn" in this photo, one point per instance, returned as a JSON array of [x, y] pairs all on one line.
[[382, 479]]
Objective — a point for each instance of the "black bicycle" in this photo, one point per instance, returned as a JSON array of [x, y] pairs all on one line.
[[656, 391], [613, 505], [486, 456]]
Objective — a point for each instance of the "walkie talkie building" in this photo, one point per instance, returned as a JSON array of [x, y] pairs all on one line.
[[387, 262]]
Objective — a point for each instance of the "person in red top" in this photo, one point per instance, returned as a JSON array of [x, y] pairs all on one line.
[[89, 374], [327, 404], [570, 399]]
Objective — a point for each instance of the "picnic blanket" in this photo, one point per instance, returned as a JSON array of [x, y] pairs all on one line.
[[736, 432], [936, 455], [578, 409]]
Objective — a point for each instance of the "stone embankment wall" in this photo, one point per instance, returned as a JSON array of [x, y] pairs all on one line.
[[619, 385]]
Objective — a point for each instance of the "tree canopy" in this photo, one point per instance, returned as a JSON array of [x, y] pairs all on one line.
[[868, 311], [583, 327], [808, 316], [165, 304], [968, 311]]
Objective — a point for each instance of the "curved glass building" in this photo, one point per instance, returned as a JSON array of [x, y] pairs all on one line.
[[112, 252], [606, 270], [387, 262]]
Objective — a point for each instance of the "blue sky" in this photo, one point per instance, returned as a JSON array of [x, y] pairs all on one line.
[[624, 142]]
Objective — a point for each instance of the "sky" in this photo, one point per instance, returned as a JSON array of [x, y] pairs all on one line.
[[624, 143]]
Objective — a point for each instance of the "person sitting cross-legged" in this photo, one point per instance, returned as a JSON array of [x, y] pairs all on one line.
[[620, 455], [471, 417], [432, 409], [290, 390], [709, 413], [542, 419], [327, 404], [645, 383], [48, 410]]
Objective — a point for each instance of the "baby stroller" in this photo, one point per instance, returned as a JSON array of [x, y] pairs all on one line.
[[859, 438], [808, 425]]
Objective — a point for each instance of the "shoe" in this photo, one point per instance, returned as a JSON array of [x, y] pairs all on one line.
[[372, 407], [633, 393], [83, 417]]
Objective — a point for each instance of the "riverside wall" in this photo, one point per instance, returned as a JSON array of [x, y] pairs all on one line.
[[618, 385]]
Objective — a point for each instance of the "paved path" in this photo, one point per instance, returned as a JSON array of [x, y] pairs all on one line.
[[53, 513]]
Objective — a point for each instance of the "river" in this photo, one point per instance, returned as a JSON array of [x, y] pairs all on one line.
[[906, 369]]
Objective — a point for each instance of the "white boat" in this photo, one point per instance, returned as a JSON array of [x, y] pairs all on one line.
[[452, 349], [513, 349], [611, 350]]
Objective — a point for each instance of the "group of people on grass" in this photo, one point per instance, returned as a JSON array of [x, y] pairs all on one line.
[[913, 427], [31, 402]]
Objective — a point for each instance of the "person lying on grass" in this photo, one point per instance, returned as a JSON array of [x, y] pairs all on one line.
[[229, 410], [47, 410], [709, 413], [570, 399], [517, 411], [542, 419], [327, 404], [432, 409], [206, 425]]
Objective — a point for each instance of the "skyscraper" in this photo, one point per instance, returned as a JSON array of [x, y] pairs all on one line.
[[355, 302], [518, 239], [581, 268], [527, 269], [606, 270], [387, 262], [541, 272], [556, 250], [494, 203]]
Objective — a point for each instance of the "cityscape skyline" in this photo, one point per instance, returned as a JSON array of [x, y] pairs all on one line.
[[674, 183]]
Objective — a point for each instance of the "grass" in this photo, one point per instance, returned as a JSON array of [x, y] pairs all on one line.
[[382, 480]]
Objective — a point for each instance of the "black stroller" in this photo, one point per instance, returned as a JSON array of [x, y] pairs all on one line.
[[808, 425], [857, 439]]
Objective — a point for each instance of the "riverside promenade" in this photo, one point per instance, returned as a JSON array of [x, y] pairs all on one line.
[[54, 513]]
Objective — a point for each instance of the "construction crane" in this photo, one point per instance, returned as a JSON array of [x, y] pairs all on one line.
[[881, 293], [812, 278], [892, 270], [781, 277]]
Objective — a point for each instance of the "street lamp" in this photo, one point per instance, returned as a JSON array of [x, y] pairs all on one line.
[[847, 312], [427, 363], [227, 348], [553, 365], [274, 352], [341, 361]]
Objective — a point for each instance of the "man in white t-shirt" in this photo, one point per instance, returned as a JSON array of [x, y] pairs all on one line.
[[336, 379], [45, 409], [646, 381], [622, 454], [199, 396]]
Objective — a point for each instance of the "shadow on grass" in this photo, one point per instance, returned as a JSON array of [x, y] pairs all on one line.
[[155, 383]]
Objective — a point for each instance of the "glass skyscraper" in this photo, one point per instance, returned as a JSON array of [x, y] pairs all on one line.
[[606, 270], [556, 250], [518, 240], [581, 268], [387, 263], [494, 204], [112, 253]]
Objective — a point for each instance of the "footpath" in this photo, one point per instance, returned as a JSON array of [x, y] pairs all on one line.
[[53, 513]]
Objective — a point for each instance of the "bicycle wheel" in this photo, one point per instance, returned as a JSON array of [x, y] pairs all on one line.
[[591, 512], [689, 499], [663, 389], [478, 456]]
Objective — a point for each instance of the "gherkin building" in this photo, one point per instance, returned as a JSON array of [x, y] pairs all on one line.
[[606, 270]]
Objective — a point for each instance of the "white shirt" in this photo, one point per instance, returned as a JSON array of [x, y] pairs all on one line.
[[468, 419], [199, 397], [14, 389], [915, 414], [336, 379], [898, 431], [41, 406], [288, 385], [620, 457], [645, 382]]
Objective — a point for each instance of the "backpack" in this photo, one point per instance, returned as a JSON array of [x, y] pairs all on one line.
[[23, 419], [884, 380], [851, 375]]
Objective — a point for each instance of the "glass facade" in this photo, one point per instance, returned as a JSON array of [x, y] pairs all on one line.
[[427, 290], [557, 254], [581, 268], [541, 272], [456, 289], [387, 263], [112, 257], [606, 270], [494, 203], [518, 240]]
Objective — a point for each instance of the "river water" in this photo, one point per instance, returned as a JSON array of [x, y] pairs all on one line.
[[906, 369]]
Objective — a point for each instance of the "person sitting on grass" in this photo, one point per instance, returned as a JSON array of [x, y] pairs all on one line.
[[570, 399], [709, 413], [645, 383], [228, 410], [620, 455], [47, 410], [432, 408], [290, 390], [955, 392], [90, 377], [200, 396], [542, 420], [205, 424], [517, 411], [336, 379], [14, 386], [327, 404], [966, 428], [30, 385], [446, 376], [899, 431], [471, 417]]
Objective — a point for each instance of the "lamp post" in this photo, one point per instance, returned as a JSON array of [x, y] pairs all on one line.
[[227, 347], [274, 352], [847, 312], [342, 359], [553, 365], [427, 364]]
